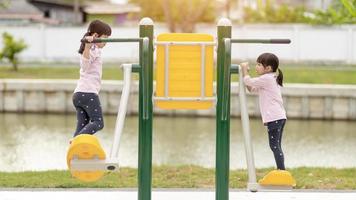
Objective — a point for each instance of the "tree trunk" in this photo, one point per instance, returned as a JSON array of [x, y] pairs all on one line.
[[227, 8], [168, 16], [194, 14], [188, 14], [15, 64], [15, 67], [76, 8], [188, 26]]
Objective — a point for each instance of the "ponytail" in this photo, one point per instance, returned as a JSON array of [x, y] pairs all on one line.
[[280, 78], [97, 27], [82, 44]]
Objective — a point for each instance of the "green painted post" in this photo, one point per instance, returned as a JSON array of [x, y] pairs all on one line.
[[145, 111], [223, 113]]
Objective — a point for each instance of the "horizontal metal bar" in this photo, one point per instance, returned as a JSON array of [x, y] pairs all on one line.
[[271, 41], [266, 41], [99, 40], [185, 43], [94, 165], [136, 68], [234, 69], [184, 98]]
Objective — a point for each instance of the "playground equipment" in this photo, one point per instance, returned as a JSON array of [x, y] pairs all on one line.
[[85, 157], [184, 80], [274, 180]]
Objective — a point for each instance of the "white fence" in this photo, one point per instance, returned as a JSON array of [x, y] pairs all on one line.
[[326, 44]]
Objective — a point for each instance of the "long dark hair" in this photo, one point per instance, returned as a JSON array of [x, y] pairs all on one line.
[[269, 59], [98, 27]]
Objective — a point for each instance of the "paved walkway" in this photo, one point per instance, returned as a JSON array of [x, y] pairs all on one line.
[[107, 194]]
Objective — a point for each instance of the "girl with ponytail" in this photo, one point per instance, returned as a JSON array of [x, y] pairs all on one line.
[[268, 87], [85, 98]]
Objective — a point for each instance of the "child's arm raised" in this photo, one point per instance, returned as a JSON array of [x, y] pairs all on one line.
[[245, 71], [86, 52]]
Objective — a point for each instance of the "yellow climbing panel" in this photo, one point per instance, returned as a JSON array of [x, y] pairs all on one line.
[[184, 72]]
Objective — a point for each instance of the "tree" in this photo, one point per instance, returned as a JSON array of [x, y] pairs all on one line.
[[179, 15], [11, 49], [4, 4], [339, 12], [350, 6]]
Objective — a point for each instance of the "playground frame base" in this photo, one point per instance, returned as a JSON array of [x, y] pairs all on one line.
[[171, 194]]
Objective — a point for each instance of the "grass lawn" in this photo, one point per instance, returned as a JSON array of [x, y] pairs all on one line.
[[292, 74], [63, 72], [180, 177]]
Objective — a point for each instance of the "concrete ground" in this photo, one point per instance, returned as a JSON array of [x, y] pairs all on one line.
[[169, 194]]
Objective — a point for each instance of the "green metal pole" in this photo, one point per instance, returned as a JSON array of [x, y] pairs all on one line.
[[264, 41], [98, 40], [223, 113], [145, 110]]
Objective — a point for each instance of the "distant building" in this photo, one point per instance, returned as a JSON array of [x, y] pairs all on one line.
[[111, 13], [78, 11], [21, 12], [67, 12]]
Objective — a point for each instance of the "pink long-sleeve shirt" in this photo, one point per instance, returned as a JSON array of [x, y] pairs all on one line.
[[90, 72], [269, 95]]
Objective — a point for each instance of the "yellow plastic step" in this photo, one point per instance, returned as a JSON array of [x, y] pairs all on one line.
[[278, 178], [85, 146]]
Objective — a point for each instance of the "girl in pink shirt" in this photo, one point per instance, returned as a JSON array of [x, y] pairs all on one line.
[[85, 98], [268, 87]]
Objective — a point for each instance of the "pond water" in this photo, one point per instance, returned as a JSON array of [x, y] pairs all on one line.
[[39, 142]]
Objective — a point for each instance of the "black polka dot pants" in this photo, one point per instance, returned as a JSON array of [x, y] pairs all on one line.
[[89, 113], [275, 132]]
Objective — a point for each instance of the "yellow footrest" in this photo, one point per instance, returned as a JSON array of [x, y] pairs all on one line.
[[85, 146], [278, 178]]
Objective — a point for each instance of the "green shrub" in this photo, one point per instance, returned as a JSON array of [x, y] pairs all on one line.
[[268, 13], [11, 49], [339, 12]]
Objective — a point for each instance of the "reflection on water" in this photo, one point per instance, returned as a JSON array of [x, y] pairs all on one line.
[[39, 142]]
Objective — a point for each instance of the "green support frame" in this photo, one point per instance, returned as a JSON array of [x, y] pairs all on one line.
[[224, 71], [145, 111], [145, 71], [223, 112]]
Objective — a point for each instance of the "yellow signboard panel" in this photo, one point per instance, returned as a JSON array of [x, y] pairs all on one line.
[[189, 71]]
